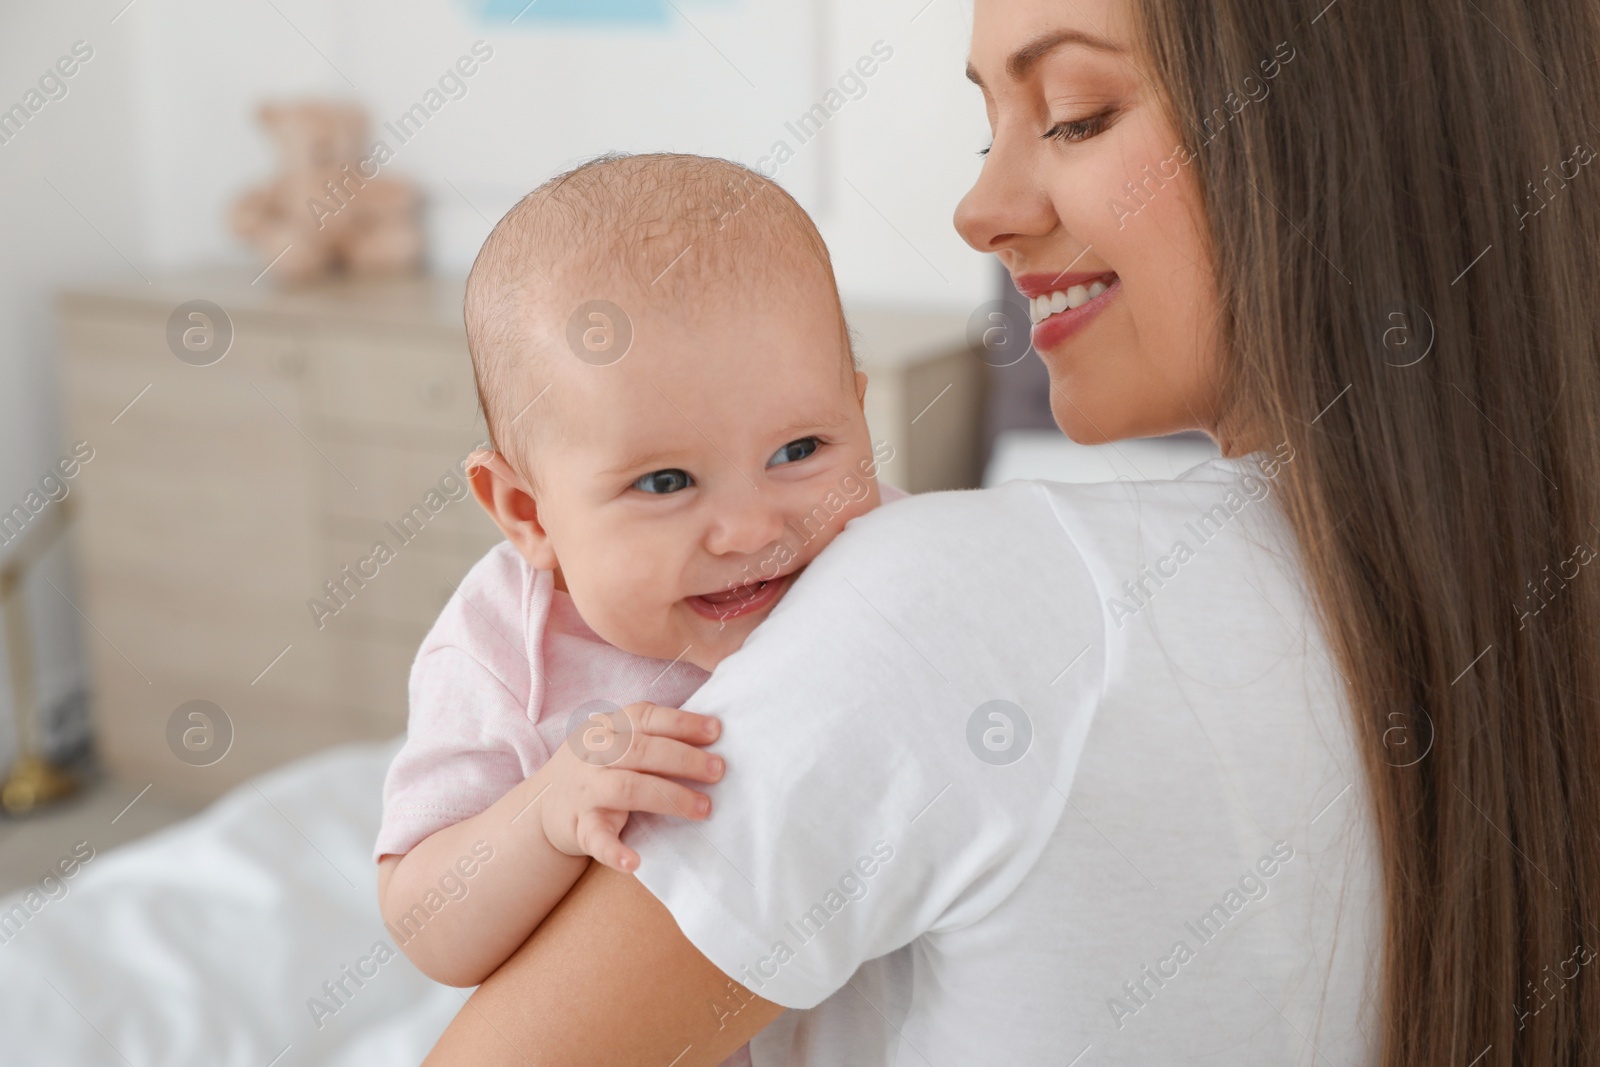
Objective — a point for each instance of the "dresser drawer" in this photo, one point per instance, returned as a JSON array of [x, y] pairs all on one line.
[[262, 378], [392, 382], [410, 484], [409, 590], [223, 494]]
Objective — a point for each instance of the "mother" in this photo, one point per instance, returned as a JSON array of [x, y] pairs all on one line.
[[1318, 785]]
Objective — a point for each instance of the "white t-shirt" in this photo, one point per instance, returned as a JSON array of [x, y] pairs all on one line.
[[986, 803]]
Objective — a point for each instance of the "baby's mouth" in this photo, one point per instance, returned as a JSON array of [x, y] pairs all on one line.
[[739, 592], [739, 600]]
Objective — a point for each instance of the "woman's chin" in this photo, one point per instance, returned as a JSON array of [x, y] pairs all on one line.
[[1086, 421], [1081, 425]]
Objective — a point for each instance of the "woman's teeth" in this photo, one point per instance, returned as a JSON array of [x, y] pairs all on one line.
[[1042, 307]]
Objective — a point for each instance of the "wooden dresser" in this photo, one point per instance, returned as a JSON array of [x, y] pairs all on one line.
[[228, 497]]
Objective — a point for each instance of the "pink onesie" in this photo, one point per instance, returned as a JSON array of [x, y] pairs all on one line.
[[492, 687]]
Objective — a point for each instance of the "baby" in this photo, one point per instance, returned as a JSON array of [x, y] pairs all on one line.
[[677, 431]]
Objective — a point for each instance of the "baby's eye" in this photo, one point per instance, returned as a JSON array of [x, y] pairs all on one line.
[[667, 481], [794, 451]]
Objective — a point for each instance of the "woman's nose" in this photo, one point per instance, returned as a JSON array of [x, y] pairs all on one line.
[[1005, 202], [752, 521]]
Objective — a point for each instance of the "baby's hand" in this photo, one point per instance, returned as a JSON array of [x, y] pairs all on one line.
[[621, 762]]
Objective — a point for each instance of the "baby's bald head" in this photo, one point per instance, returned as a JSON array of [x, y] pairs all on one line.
[[658, 232]]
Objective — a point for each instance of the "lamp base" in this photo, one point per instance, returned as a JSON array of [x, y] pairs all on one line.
[[33, 783]]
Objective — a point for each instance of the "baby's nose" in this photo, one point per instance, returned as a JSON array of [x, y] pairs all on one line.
[[747, 526]]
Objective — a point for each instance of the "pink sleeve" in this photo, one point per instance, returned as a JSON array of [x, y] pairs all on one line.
[[475, 689], [890, 493]]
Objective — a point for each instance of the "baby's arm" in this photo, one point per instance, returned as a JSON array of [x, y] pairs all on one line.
[[538, 837]]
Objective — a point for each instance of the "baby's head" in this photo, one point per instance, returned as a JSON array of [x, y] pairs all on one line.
[[670, 391]]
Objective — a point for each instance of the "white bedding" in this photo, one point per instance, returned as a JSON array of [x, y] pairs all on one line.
[[204, 943]]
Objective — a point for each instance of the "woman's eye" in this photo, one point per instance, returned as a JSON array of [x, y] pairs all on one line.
[[1081, 130], [794, 451], [667, 481], [1071, 132]]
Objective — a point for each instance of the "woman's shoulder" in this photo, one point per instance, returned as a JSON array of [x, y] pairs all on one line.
[[1024, 525], [1031, 546], [957, 523], [910, 586], [1040, 502]]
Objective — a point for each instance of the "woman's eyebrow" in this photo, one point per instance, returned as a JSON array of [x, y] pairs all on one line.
[[1022, 60]]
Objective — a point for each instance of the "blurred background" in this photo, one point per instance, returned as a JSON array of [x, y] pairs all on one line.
[[232, 362]]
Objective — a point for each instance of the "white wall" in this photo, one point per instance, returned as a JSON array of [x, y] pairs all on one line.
[[73, 208], [905, 155], [157, 136], [548, 97], [723, 79]]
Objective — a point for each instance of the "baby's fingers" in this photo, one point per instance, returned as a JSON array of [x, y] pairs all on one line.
[[663, 755], [597, 836], [622, 790], [689, 726]]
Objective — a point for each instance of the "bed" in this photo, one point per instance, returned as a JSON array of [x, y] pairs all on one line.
[[209, 943]]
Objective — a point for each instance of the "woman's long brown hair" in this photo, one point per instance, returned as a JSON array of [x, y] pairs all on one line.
[[1406, 228]]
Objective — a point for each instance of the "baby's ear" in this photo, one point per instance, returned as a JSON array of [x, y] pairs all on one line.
[[505, 495], [861, 388]]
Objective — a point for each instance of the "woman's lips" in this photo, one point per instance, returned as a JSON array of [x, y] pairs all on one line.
[[741, 600], [1061, 327]]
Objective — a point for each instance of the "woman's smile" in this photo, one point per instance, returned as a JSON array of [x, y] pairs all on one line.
[[1061, 305], [1064, 304]]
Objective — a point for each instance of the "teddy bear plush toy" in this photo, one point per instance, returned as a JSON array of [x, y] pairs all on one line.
[[329, 210]]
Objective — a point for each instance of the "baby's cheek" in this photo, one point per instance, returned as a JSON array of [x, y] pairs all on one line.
[[647, 608]]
